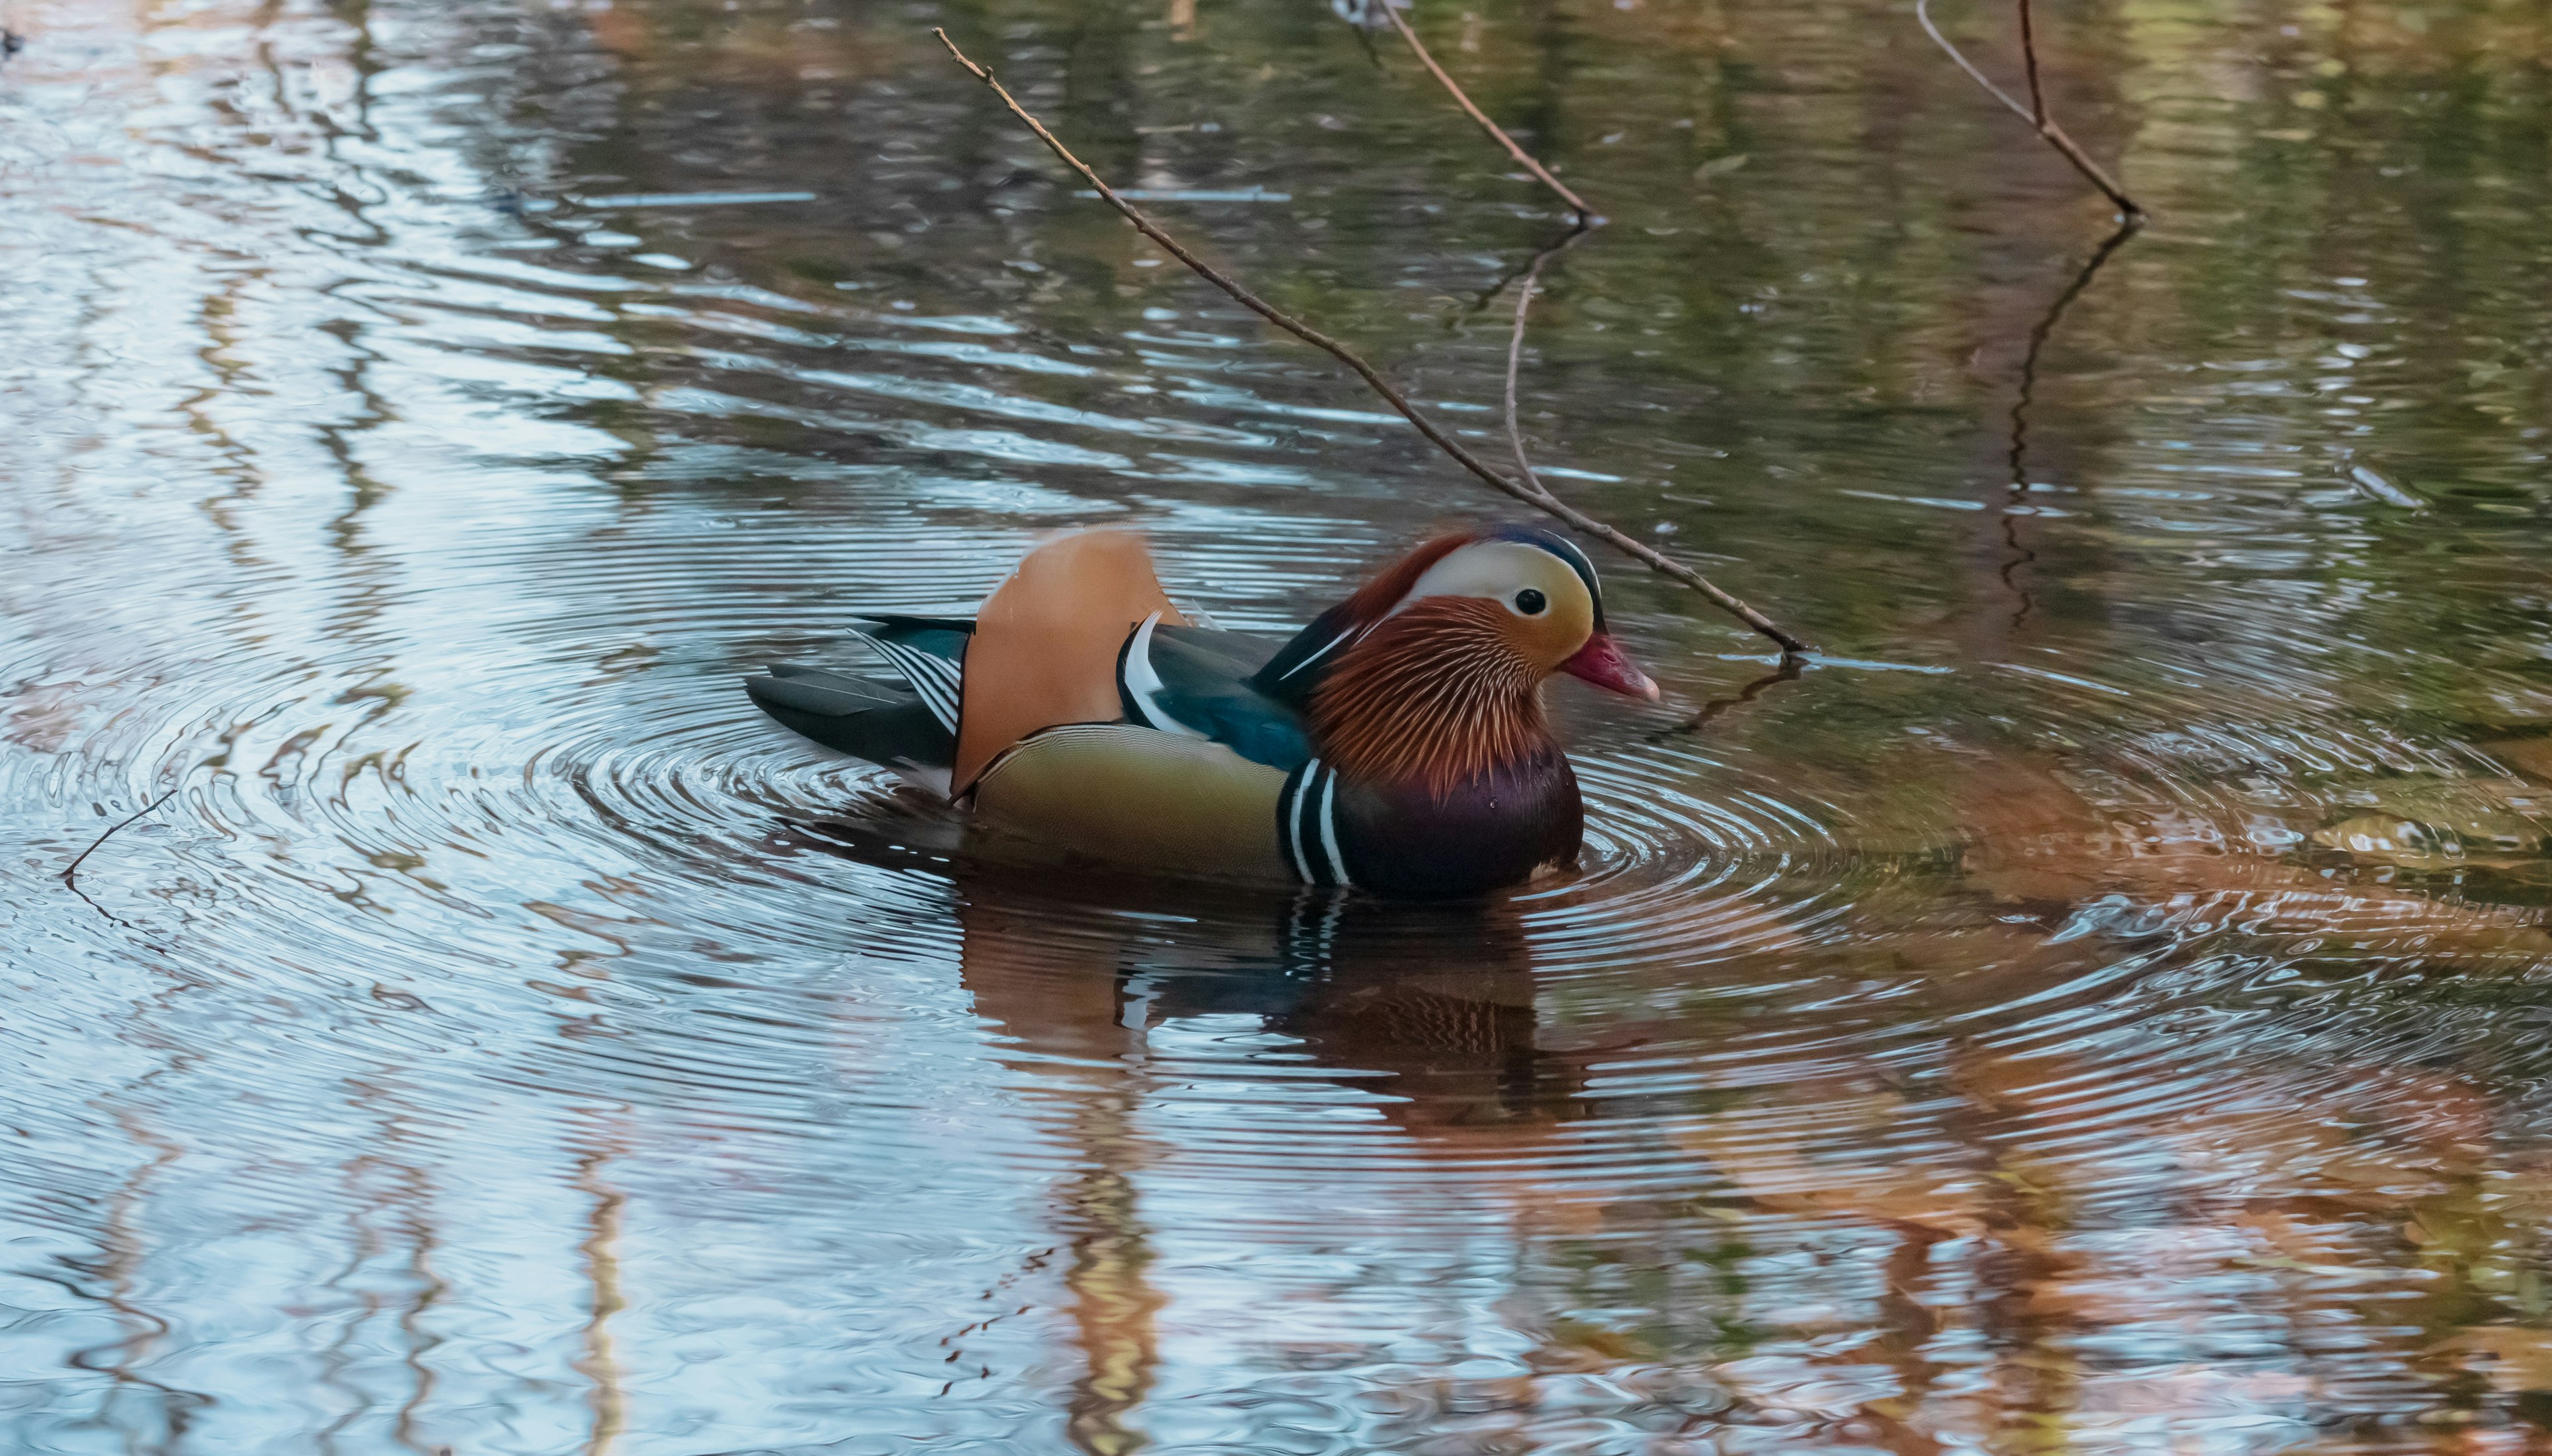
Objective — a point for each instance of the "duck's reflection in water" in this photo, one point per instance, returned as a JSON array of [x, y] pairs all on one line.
[[1077, 974]]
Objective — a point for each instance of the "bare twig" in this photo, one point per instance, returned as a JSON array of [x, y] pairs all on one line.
[[71, 874], [2035, 113], [2028, 62], [1496, 133], [1515, 352], [1529, 493]]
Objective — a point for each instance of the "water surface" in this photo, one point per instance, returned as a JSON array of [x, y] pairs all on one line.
[[2104, 1004]]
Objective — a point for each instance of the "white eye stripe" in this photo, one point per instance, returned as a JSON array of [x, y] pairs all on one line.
[[1578, 561], [1498, 570]]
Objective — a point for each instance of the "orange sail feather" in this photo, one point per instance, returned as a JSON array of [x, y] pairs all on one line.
[[1045, 643]]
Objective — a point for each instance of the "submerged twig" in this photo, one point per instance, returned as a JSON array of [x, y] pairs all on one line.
[[2038, 337], [1490, 294], [1786, 671], [2034, 113], [1524, 491], [1496, 133], [2018, 455], [71, 871]]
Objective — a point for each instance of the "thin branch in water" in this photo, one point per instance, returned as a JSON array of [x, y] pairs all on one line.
[[1364, 38], [1532, 496], [71, 874], [1787, 671], [1490, 294], [2018, 455], [1923, 13], [2038, 337], [2035, 113], [1496, 133], [1514, 353]]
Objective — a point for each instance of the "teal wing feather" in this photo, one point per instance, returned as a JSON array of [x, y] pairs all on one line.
[[1197, 680], [944, 637]]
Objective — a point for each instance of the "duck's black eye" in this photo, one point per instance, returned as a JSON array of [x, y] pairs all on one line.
[[1530, 602]]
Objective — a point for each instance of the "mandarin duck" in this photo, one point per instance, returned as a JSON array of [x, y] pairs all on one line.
[[1396, 745]]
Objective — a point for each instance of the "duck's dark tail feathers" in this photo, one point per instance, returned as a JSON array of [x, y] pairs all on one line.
[[886, 725], [912, 727]]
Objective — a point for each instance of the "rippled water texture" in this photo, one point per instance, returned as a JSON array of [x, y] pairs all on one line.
[[2104, 1004]]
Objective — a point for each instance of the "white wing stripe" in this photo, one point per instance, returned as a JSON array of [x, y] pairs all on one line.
[[933, 678], [1315, 657], [904, 660], [945, 673], [1143, 684]]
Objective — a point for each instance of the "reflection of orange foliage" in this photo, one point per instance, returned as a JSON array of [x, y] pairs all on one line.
[[2316, 1186], [1058, 1000], [2030, 838], [2511, 1357], [2408, 1191], [742, 48], [620, 28]]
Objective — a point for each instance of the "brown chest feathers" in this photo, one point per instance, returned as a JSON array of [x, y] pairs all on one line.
[[1434, 696]]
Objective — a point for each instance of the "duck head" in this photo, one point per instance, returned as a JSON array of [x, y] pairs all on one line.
[[1433, 670]]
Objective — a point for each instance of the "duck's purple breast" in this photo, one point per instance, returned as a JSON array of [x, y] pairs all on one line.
[[1490, 831]]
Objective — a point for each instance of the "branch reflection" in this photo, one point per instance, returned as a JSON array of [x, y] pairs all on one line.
[[2018, 455]]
